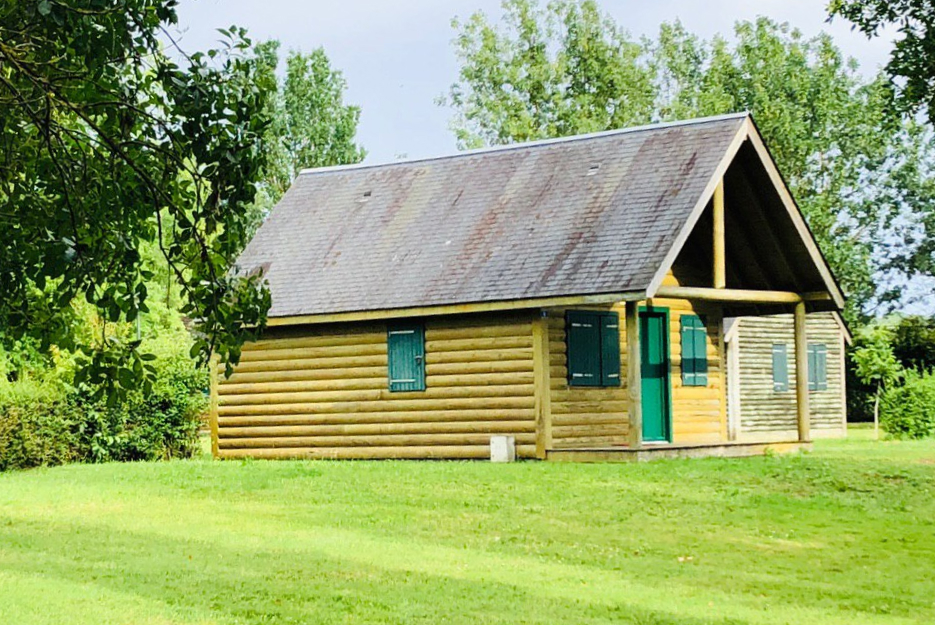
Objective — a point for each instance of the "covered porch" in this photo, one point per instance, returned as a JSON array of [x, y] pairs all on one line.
[[748, 252]]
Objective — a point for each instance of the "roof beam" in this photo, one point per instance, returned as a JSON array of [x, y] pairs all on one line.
[[738, 295], [720, 271], [455, 309]]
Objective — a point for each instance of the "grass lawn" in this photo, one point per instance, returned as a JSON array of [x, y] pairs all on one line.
[[842, 535]]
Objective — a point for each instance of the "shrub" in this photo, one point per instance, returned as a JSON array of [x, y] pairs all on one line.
[[46, 421], [908, 410], [36, 432], [159, 426]]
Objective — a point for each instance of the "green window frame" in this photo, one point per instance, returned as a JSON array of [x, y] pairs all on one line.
[[780, 368], [592, 341], [694, 336], [817, 367], [405, 352]]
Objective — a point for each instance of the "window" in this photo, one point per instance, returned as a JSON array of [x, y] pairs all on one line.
[[405, 344], [694, 351], [780, 368], [817, 367], [593, 348]]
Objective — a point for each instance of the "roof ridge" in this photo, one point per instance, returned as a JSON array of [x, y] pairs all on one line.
[[532, 144]]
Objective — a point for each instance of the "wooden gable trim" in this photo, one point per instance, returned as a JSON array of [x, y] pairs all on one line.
[[845, 331], [734, 329], [456, 309]]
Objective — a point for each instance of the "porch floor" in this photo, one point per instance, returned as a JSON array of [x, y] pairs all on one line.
[[735, 449]]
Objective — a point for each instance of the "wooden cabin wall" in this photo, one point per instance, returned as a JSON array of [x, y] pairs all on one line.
[[699, 413], [766, 414], [322, 392], [597, 416], [585, 416]]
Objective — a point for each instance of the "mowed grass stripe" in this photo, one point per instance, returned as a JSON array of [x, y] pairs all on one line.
[[839, 536]]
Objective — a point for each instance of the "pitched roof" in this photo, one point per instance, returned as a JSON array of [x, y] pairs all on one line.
[[584, 215]]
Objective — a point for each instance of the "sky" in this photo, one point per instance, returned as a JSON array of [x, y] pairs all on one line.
[[397, 57]]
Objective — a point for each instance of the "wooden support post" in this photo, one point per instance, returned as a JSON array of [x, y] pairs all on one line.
[[542, 386], [634, 379], [801, 374], [213, 414], [720, 270]]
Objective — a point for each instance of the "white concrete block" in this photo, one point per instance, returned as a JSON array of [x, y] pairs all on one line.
[[502, 448]]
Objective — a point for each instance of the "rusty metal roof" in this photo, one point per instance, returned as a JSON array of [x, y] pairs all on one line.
[[576, 216]]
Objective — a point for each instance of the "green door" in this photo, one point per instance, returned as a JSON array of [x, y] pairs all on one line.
[[654, 362]]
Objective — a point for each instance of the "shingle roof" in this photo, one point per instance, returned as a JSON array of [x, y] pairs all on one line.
[[583, 215]]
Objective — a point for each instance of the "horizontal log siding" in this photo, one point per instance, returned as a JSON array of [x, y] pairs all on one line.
[[699, 413], [764, 410], [321, 392], [585, 416], [594, 416]]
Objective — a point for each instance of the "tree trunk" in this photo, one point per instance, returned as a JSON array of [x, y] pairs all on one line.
[[876, 415]]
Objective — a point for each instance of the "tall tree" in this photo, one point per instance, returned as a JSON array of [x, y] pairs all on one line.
[[912, 62], [860, 174], [911, 72], [545, 73], [311, 124], [108, 143]]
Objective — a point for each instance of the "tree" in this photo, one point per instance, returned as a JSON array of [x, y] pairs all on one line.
[[912, 62], [860, 174], [911, 72], [107, 144], [913, 342], [875, 364], [311, 126], [547, 73]]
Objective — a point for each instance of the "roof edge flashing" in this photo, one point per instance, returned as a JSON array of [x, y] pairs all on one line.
[[531, 144]]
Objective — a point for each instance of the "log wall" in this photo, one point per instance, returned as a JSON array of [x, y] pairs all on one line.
[[767, 414], [322, 392], [597, 416]]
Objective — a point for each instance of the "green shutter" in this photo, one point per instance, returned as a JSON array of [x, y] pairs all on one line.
[[817, 367], [812, 368], [583, 338], [405, 343], [821, 355], [610, 349], [694, 351], [780, 368]]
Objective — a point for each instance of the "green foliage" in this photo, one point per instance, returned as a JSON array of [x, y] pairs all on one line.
[[912, 62], [47, 418], [861, 175], [908, 410], [914, 342], [107, 146], [872, 353], [37, 430], [548, 72]]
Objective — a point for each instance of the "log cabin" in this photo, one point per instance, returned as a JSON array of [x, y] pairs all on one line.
[[569, 293]]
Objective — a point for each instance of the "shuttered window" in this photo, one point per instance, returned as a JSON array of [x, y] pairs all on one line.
[[780, 368], [817, 367], [405, 344], [694, 351], [593, 348]]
